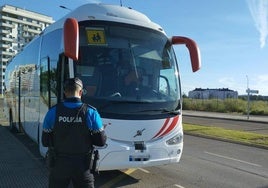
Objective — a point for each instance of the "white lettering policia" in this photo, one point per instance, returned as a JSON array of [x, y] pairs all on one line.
[[67, 119]]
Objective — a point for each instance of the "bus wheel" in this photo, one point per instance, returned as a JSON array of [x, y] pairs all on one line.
[[12, 126]]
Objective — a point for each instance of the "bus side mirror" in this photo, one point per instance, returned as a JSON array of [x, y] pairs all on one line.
[[71, 38], [193, 50]]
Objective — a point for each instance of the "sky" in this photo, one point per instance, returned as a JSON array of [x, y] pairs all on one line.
[[232, 36]]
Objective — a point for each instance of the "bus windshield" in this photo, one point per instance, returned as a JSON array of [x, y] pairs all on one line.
[[127, 70]]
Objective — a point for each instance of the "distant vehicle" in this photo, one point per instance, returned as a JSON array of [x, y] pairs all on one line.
[[130, 74]]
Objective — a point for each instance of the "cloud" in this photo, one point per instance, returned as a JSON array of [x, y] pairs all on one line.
[[227, 82], [259, 12], [260, 84], [233, 84]]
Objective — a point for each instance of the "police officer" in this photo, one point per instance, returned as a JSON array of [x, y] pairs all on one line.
[[70, 130]]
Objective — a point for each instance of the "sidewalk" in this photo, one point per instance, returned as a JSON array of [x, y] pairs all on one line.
[[251, 118], [20, 165], [19, 168]]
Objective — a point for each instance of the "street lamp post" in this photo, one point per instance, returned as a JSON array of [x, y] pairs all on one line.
[[248, 98], [249, 91]]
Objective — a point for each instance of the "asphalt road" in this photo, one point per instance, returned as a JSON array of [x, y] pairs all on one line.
[[212, 163], [205, 163]]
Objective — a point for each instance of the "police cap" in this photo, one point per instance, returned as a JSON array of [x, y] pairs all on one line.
[[72, 83]]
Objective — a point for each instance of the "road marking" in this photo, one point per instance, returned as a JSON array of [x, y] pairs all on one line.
[[176, 185], [129, 171], [118, 178], [143, 170], [230, 158]]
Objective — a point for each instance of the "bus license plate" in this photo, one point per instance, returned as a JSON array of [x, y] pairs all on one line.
[[139, 157]]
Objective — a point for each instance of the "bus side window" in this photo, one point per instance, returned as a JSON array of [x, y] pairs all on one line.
[[44, 81], [48, 83]]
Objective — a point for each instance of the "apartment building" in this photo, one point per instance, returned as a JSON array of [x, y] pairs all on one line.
[[223, 93], [17, 27]]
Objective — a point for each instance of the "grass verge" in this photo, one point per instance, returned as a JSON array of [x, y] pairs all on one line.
[[225, 134]]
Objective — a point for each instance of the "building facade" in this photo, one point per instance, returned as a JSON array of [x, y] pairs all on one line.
[[17, 28], [223, 93]]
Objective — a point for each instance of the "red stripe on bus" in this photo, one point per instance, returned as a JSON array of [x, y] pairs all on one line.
[[163, 127], [171, 127]]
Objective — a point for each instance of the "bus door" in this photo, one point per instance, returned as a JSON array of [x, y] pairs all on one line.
[[48, 91], [65, 70]]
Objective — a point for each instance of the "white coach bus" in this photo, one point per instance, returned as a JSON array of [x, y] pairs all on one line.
[[130, 74]]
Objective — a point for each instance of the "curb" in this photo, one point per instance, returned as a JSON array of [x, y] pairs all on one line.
[[227, 118], [226, 140]]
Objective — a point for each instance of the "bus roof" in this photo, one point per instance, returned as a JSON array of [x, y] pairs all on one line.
[[105, 12]]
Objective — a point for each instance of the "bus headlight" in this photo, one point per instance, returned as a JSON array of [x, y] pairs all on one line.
[[175, 139]]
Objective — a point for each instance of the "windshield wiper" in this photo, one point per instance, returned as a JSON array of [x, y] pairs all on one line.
[[163, 111], [175, 112]]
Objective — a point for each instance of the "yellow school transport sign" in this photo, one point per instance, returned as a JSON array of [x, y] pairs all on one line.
[[96, 36]]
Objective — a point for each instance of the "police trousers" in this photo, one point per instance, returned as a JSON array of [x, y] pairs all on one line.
[[71, 169]]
